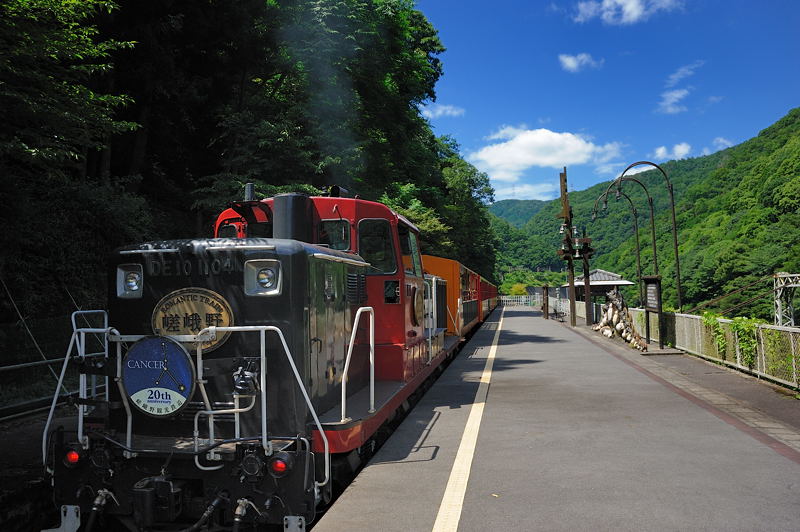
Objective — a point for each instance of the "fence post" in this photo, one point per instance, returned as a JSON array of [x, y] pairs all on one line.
[[794, 360]]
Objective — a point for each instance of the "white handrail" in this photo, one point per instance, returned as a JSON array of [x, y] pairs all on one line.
[[203, 336], [371, 313], [210, 333], [211, 413]]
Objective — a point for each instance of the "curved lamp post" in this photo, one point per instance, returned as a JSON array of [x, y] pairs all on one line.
[[622, 179], [635, 232], [652, 216], [674, 225]]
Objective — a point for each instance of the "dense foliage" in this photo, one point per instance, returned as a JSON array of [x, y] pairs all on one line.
[[516, 212], [125, 121], [738, 214]]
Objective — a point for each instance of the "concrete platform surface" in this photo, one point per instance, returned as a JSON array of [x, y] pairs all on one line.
[[577, 434]]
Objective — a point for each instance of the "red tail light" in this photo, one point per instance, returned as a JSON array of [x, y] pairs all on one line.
[[281, 464], [72, 457]]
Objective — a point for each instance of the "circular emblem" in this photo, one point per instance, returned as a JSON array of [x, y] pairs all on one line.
[[158, 376], [190, 310], [417, 307]]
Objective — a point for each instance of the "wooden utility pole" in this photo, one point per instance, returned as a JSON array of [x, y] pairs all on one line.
[[546, 302], [567, 250]]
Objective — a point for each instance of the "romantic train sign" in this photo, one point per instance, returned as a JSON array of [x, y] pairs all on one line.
[[190, 310]]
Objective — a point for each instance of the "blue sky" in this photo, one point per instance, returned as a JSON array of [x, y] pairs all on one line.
[[594, 85]]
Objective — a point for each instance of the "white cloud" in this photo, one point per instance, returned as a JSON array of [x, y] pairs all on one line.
[[507, 132], [436, 110], [622, 12], [679, 151], [714, 99], [670, 101], [576, 63], [540, 191], [523, 148], [639, 169], [720, 143], [682, 73], [608, 168]]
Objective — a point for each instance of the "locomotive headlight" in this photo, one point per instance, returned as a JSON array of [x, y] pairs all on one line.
[[130, 281], [266, 278], [262, 277]]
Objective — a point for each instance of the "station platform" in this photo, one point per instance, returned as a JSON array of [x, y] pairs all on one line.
[[538, 426]]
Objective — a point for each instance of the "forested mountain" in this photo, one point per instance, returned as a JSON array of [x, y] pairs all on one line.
[[137, 120], [738, 214], [516, 212]]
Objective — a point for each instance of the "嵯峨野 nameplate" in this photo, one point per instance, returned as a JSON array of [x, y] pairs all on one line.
[[189, 311]]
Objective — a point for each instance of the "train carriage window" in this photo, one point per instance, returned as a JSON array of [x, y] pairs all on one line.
[[410, 249], [335, 234], [375, 245]]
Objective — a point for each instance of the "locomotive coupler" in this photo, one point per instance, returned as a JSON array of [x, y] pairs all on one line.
[[241, 511], [97, 507]]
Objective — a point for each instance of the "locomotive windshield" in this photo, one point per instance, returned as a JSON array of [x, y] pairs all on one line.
[[375, 245], [335, 234]]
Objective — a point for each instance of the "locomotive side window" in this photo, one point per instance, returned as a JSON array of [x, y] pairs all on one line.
[[259, 230], [227, 231], [375, 245], [335, 234], [410, 249]]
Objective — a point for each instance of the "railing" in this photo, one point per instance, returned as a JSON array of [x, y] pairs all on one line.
[[771, 352], [35, 403], [371, 312], [517, 301], [560, 308], [76, 350]]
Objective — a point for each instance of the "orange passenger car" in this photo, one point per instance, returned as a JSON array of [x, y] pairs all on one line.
[[465, 302]]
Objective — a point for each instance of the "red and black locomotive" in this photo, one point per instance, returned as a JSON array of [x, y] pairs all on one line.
[[248, 373]]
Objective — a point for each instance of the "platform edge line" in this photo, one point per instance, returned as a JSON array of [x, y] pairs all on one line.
[[449, 514]]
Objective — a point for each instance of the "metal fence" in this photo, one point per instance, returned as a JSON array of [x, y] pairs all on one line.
[[560, 308], [770, 351], [519, 301], [28, 367]]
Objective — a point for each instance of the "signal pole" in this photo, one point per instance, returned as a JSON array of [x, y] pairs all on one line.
[[567, 251], [574, 248]]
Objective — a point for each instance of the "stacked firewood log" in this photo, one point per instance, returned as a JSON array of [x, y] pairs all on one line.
[[616, 321]]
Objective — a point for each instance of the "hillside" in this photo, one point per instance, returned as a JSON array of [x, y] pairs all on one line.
[[738, 214], [516, 212]]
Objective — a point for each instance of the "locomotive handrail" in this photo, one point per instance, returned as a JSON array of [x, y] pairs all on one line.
[[156, 250], [210, 333], [78, 339], [111, 334], [211, 413], [359, 313]]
